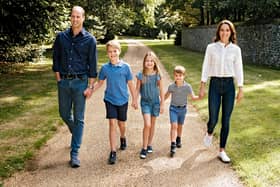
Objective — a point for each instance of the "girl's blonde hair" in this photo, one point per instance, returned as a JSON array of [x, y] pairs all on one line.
[[114, 44], [156, 66]]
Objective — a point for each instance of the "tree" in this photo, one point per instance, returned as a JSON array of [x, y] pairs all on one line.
[[27, 22]]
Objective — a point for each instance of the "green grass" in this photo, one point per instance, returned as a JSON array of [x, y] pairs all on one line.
[[29, 111], [254, 142]]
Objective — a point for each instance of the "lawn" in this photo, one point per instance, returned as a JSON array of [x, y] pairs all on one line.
[[29, 112], [254, 142]]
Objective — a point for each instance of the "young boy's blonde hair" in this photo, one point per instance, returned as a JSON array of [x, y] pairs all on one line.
[[180, 70], [114, 44]]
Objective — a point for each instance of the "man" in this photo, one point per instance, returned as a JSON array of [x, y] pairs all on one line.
[[75, 67]]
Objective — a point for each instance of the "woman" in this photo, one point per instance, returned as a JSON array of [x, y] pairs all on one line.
[[222, 63]]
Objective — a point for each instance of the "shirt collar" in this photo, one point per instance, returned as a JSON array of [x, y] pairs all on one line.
[[119, 64], [223, 44], [83, 32]]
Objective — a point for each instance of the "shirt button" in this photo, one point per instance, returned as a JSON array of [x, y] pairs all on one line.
[[70, 58]]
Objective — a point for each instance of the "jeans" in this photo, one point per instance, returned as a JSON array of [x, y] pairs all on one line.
[[221, 90], [72, 108]]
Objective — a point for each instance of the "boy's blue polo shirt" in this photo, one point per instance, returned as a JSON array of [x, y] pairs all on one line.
[[116, 77]]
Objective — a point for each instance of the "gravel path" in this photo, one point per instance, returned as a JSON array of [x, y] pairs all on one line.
[[193, 164]]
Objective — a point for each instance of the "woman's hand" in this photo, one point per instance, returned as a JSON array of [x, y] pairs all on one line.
[[240, 95]]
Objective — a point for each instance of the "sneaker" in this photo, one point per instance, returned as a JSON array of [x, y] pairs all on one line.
[[149, 149], [123, 143], [178, 142], [172, 149], [207, 140], [223, 157], [143, 153], [112, 157], [75, 163]]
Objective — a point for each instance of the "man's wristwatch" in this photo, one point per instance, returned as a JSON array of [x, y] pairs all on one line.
[[91, 87]]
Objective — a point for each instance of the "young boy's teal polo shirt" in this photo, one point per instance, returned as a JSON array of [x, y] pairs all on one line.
[[116, 76]]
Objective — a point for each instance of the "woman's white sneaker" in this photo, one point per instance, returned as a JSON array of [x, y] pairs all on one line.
[[223, 157], [207, 140]]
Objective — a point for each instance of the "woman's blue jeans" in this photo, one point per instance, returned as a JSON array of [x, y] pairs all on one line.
[[72, 108], [221, 91]]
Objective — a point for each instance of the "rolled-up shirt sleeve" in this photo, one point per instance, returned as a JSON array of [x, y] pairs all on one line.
[[205, 66], [238, 69]]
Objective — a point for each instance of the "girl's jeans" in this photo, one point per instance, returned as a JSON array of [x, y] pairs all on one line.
[[72, 108], [221, 90]]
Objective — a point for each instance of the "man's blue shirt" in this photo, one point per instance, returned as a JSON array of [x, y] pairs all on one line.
[[116, 77], [75, 55]]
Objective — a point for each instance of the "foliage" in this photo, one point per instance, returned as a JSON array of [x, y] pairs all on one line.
[[212, 11], [27, 22]]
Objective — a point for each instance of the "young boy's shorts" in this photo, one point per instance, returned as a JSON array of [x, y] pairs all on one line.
[[177, 114], [116, 112], [150, 108]]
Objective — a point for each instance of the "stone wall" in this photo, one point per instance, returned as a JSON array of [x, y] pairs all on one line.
[[260, 44]]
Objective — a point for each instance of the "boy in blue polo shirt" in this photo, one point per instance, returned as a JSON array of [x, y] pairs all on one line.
[[118, 76]]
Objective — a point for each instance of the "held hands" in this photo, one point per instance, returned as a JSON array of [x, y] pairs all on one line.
[[88, 92], [202, 90], [134, 105]]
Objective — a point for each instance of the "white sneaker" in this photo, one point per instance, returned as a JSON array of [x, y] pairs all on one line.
[[223, 157], [207, 140]]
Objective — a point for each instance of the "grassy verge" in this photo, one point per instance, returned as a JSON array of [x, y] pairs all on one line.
[[29, 112], [254, 142]]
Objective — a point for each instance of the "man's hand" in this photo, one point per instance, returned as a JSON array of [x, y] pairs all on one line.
[[88, 92]]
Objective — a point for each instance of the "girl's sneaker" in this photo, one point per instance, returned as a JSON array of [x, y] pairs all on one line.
[[143, 153], [149, 149]]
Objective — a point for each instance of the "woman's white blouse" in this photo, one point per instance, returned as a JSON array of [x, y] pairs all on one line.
[[223, 61]]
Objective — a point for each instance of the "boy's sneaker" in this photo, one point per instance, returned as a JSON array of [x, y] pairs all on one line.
[[123, 143], [178, 142], [172, 149], [143, 153], [112, 157], [223, 157], [207, 140], [149, 149]]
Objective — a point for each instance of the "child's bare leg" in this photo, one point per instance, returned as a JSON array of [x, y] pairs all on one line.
[[112, 134], [152, 130], [121, 125], [146, 129], [179, 130], [173, 132]]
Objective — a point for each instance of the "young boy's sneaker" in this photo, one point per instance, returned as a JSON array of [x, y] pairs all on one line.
[[178, 142], [143, 154], [112, 157], [123, 143], [207, 140], [172, 149], [149, 149]]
